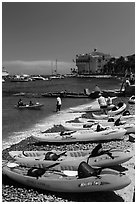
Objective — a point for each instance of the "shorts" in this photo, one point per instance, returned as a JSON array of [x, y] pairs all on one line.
[[103, 107]]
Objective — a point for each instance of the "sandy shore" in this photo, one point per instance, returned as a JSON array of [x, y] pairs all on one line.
[[14, 192]]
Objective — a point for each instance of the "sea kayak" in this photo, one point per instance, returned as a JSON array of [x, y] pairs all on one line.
[[106, 117], [117, 109], [97, 157], [93, 125], [80, 136], [85, 179]]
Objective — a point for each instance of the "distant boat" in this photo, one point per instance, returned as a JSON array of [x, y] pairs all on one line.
[[39, 78], [18, 78], [4, 72]]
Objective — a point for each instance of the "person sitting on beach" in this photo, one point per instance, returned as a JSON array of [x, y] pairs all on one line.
[[109, 101], [102, 102], [97, 91], [20, 103]]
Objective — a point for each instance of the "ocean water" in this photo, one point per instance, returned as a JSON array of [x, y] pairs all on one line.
[[19, 124]]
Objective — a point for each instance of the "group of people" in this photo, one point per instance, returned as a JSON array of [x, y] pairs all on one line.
[[104, 103], [20, 103]]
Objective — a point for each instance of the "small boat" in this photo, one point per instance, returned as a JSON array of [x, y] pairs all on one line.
[[93, 125], [117, 109], [27, 106], [131, 100], [106, 117], [80, 136], [84, 179], [98, 157]]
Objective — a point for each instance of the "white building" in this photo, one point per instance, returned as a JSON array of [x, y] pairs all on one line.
[[91, 63]]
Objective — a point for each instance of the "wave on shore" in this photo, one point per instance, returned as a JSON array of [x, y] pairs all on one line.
[[45, 124]]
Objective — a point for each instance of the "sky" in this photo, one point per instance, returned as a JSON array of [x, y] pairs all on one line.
[[35, 34]]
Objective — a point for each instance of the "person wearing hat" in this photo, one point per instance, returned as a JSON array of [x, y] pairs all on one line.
[[102, 103]]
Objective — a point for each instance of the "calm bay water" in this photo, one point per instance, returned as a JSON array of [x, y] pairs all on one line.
[[19, 124]]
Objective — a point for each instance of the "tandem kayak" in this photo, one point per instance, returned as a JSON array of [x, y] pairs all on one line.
[[106, 117], [27, 106], [80, 136], [93, 125], [97, 157], [84, 179]]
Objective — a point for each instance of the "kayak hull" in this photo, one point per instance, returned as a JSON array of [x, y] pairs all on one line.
[[108, 180], [92, 125], [37, 158], [81, 136]]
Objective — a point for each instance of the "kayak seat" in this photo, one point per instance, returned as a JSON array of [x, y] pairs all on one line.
[[111, 120], [97, 151], [85, 170], [100, 128], [35, 172], [120, 104], [51, 156], [114, 108], [118, 122]]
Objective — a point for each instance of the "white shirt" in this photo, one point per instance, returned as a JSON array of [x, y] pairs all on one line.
[[102, 101], [59, 100]]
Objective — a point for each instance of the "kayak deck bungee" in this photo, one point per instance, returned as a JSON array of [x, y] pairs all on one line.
[[86, 179]]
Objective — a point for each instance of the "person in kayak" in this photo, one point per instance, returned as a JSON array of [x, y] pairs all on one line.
[[20, 102], [102, 103]]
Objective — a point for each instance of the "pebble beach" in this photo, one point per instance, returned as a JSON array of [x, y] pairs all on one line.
[[14, 192]]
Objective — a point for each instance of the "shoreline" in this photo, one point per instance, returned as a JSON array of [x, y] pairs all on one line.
[[29, 194]]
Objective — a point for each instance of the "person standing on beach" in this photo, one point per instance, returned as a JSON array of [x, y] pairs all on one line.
[[102, 103], [58, 104], [97, 91]]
